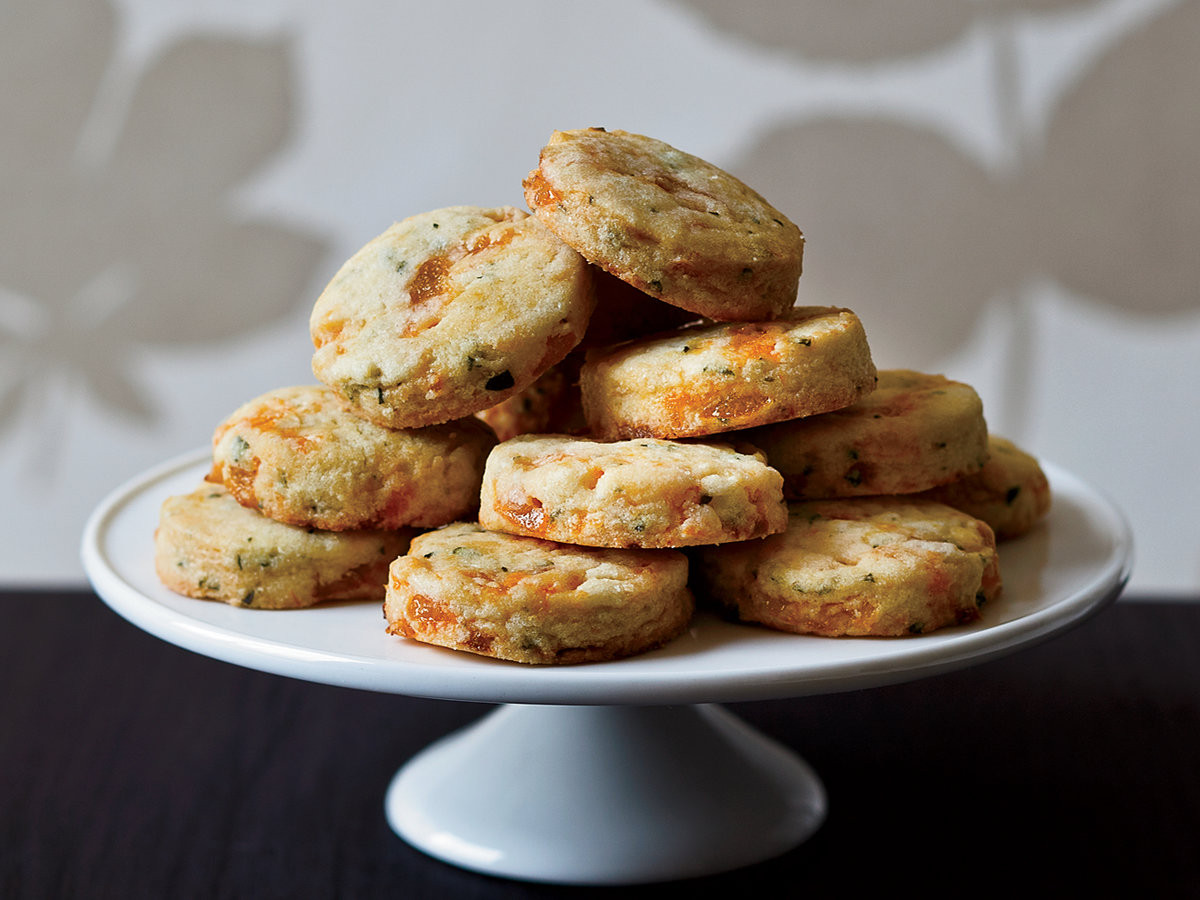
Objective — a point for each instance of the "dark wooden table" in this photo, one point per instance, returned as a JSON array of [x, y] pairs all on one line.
[[130, 768]]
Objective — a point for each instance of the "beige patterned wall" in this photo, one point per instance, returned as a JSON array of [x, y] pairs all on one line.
[[1007, 191]]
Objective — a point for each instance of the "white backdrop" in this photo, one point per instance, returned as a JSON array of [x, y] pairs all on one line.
[[1005, 192]]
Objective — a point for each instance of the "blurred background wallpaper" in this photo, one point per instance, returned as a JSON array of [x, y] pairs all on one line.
[[1005, 191]]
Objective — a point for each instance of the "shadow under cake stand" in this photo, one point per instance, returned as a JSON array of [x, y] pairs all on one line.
[[611, 773]]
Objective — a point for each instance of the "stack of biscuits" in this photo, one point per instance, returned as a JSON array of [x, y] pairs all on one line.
[[547, 436]]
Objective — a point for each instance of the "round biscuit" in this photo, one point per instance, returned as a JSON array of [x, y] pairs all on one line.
[[711, 378], [913, 432], [866, 566], [210, 547], [641, 493], [1011, 492], [447, 313], [297, 455], [533, 601], [669, 223]]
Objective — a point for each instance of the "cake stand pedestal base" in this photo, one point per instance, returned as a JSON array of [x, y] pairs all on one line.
[[605, 794]]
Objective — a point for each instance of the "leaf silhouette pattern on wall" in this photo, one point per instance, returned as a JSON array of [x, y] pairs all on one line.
[[861, 31], [1116, 191], [920, 237], [142, 245]]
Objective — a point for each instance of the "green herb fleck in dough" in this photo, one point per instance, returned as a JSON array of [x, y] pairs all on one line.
[[501, 382], [240, 446]]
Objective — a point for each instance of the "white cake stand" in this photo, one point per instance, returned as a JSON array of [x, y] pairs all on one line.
[[611, 773]]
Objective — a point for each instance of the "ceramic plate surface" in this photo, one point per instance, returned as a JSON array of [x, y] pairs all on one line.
[[1073, 564]]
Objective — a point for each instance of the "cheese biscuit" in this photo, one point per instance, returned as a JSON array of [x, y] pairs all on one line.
[[1011, 492], [669, 223], [447, 313], [712, 378], [913, 432], [297, 455], [868, 566], [210, 547], [533, 601], [641, 493]]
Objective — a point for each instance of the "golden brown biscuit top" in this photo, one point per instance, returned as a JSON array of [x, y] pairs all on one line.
[[723, 347], [833, 542], [904, 392], [209, 516], [923, 403], [301, 417], [449, 312], [643, 470], [667, 222], [497, 562], [632, 175], [414, 270]]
